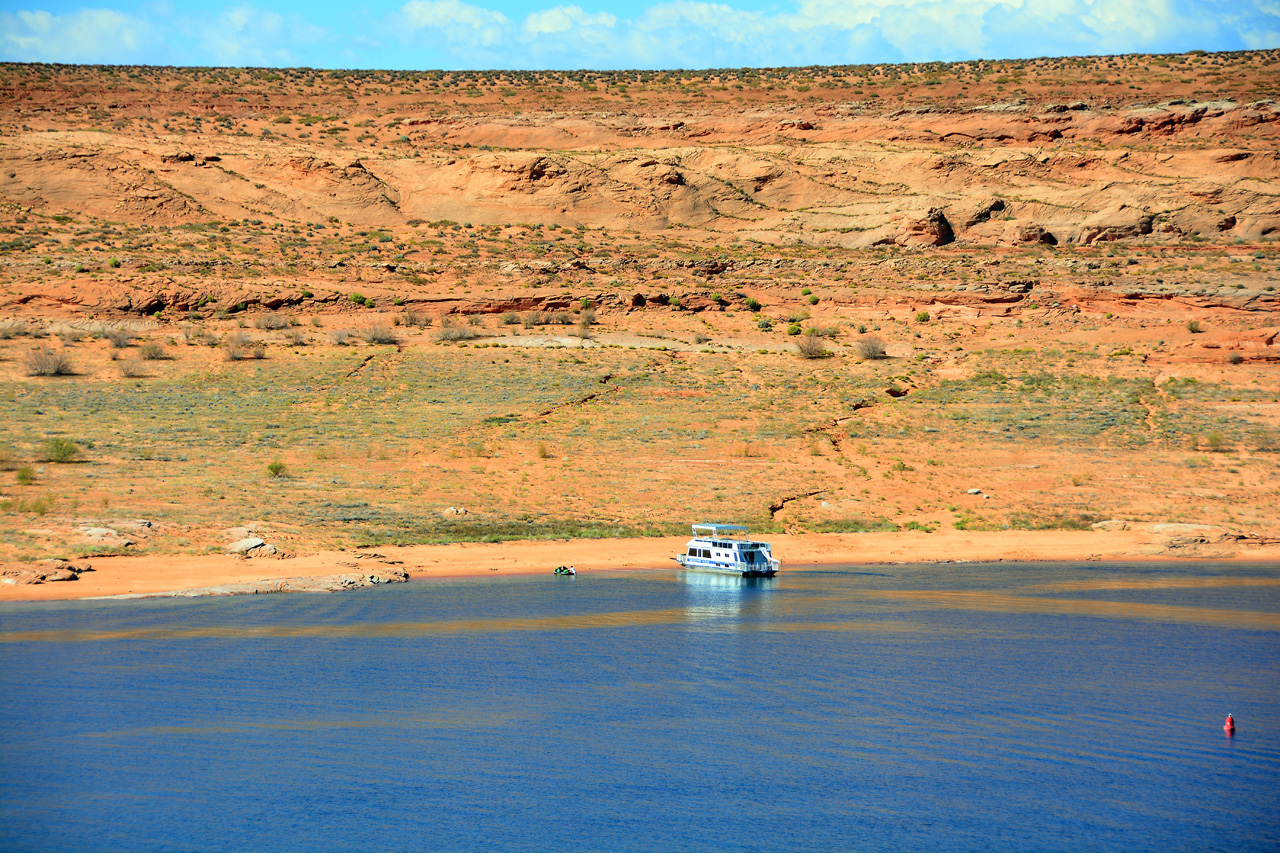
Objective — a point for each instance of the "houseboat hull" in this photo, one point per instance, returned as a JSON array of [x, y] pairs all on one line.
[[698, 566]]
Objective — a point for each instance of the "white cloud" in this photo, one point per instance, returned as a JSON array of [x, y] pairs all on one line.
[[247, 35], [565, 19], [464, 26], [86, 35]]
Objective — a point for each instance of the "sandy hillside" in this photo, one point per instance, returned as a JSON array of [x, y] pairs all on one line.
[[344, 310]]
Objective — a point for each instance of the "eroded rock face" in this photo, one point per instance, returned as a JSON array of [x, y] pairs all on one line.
[[252, 546], [970, 166], [1114, 224], [47, 571], [925, 228], [105, 537]]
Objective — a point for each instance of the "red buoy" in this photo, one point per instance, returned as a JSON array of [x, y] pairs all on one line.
[[1229, 726]]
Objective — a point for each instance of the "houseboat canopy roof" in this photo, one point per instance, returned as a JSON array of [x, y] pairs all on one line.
[[720, 531]]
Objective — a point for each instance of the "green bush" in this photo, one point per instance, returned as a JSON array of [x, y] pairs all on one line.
[[26, 475], [1193, 326], [753, 304], [152, 351], [59, 450], [793, 329], [813, 299], [114, 263], [922, 317], [277, 469]]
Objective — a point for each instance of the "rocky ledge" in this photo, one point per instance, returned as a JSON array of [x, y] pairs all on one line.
[[46, 571], [318, 583]]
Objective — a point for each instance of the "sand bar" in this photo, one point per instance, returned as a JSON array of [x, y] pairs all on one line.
[[161, 574]]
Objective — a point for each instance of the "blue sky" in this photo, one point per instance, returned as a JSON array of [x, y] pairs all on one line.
[[424, 34]]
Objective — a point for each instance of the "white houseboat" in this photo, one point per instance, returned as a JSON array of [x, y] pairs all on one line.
[[725, 549]]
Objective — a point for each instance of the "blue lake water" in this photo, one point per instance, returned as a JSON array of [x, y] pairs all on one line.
[[957, 707]]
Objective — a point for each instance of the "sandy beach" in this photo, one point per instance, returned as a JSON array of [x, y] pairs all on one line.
[[159, 575]]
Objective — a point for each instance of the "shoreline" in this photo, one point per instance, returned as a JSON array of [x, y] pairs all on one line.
[[147, 576]]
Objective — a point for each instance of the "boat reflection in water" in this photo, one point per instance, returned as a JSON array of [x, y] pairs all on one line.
[[726, 602]]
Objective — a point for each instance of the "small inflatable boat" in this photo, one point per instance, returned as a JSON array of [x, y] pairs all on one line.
[[565, 570]]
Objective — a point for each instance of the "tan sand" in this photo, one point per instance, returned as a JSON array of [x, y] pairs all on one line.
[[150, 575]]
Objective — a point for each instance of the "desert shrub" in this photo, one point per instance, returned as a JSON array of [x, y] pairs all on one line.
[[699, 338], [12, 330], [854, 524], [39, 506], [120, 338], [379, 335], [114, 263], [531, 319], [277, 469], [59, 450], [1056, 521], [510, 318], [753, 304], [793, 329], [862, 328], [475, 320], [130, 368], [26, 475], [813, 299], [922, 316], [1265, 440], [869, 348], [340, 337], [798, 315], [1193, 326], [810, 346], [295, 338], [764, 324], [195, 336], [240, 347], [271, 322], [152, 351], [456, 333], [47, 362], [1235, 358], [560, 318]]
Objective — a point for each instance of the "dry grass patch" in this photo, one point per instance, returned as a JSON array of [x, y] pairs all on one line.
[[241, 347], [45, 361]]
